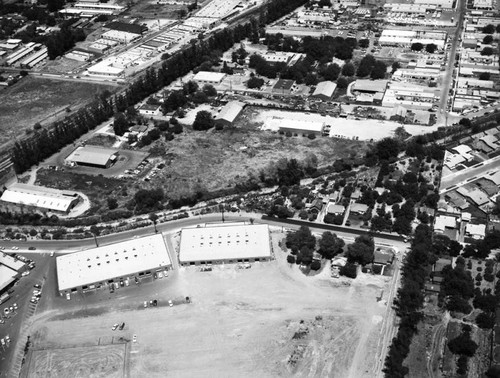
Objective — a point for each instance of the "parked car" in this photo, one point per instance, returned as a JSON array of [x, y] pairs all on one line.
[[37, 286], [115, 326], [33, 301], [170, 303], [122, 326], [145, 304], [68, 296], [134, 339]]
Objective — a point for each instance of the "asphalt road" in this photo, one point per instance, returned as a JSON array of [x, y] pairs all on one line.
[[67, 246], [446, 85], [459, 178]]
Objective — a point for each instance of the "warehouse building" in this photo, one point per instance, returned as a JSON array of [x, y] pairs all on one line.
[[229, 113], [324, 90], [225, 243], [110, 264], [39, 197], [208, 77], [91, 156], [297, 127]]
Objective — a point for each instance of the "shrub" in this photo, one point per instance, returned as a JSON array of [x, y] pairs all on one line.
[[290, 259], [349, 270], [316, 265]]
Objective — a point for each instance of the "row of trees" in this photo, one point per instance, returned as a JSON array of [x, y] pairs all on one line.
[[409, 301]]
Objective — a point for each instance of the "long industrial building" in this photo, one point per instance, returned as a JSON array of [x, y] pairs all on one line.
[[39, 197], [101, 266], [225, 243]]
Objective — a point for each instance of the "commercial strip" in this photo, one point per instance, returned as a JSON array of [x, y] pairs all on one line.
[[225, 243], [94, 268]]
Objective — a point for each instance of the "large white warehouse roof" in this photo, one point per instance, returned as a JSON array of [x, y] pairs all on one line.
[[111, 261], [225, 242]]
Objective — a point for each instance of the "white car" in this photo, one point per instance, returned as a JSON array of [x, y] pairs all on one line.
[[160, 275], [115, 326], [134, 339], [68, 296], [170, 303]]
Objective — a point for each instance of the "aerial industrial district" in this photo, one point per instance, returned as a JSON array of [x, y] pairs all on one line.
[[239, 188]]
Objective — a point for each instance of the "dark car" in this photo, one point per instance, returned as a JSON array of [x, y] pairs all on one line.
[[122, 326]]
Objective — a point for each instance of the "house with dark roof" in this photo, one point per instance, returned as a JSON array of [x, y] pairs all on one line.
[[316, 205], [283, 86], [381, 257]]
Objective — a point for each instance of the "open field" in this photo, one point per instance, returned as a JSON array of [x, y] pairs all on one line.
[[35, 100], [106, 361], [267, 321], [216, 160]]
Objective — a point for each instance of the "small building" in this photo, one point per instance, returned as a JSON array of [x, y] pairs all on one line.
[[335, 209], [229, 113], [359, 208], [316, 206], [92, 156], [475, 231], [324, 90], [299, 127], [208, 77], [381, 257], [150, 110], [225, 243], [40, 198], [432, 288], [106, 265], [283, 86]]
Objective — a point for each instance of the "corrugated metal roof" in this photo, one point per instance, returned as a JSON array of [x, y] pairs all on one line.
[[230, 111], [325, 88], [31, 195]]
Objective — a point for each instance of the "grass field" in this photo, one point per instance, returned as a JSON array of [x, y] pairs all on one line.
[[103, 361], [35, 100]]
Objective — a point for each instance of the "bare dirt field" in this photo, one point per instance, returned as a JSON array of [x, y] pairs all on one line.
[[106, 361], [267, 321], [35, 100]]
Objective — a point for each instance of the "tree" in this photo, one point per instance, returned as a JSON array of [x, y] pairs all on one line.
[[290, 259], [331, 72], [487, 51], [417, 46], [387, 148], [190, 87], [255, 82], [120, 125], [112, 203], [209, 90], [365, 66], [342, 82], [203, 120], [348, 69], [364, 43], [431, 48], [360, 253], [324, 3], [484, 76], [488, 39], [488, 29], [301, 238], [465, 122], [395, 66], [33, 232], [349, 270], [316, 265], [379, 70], [330, 245], [463, 345], [154, 218]]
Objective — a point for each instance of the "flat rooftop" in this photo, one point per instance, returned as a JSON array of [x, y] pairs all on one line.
[[91, 155], [225, 242], [116, 260]]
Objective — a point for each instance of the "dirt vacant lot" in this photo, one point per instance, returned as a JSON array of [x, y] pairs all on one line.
[[35, 100], [267, 321], [103, 361]]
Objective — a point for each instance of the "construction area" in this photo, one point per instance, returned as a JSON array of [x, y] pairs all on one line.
[[269, 320]]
